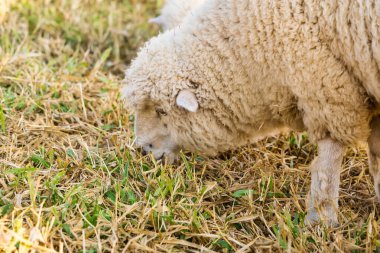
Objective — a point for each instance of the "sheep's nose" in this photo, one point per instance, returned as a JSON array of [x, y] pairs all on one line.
[[142, 151], [145, 149]]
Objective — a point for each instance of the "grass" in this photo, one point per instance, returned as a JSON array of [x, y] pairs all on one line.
[[70, 181]]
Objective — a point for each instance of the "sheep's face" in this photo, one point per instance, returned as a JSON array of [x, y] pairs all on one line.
[[152, 132], [160, 131]]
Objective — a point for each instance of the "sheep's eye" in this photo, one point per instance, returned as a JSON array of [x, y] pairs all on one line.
[[161, 112]]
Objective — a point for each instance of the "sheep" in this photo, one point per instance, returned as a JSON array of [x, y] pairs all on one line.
[[239, 70], [174, 12]]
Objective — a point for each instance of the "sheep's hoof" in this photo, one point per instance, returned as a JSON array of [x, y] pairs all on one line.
[[314, 218]]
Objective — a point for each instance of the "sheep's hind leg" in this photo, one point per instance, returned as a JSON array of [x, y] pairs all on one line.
[[325, 178], [374, 154]]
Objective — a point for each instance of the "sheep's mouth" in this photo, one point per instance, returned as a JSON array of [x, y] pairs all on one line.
[[167, 158]]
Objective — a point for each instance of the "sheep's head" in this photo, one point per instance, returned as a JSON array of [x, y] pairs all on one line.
[[157, 127], [175, 108], [152, 132]]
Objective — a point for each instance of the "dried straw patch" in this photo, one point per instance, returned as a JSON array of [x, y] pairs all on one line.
[[5, 6], [71, 182]]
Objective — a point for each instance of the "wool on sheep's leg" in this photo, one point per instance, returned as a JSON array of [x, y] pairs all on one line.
[[374, 154], [325, 178]]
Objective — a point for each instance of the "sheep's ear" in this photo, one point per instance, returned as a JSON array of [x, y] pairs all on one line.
[[157, 20], [187, 100]]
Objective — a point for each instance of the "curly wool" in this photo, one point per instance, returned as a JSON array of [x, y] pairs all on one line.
[[259, 66]]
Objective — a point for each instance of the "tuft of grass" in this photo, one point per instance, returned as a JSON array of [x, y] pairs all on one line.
[[2, 120], [70, 180]]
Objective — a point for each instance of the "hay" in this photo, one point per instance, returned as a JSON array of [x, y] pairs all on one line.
[[70, 180]]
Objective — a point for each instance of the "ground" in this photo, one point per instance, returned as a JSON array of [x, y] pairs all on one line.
[[71, 181]]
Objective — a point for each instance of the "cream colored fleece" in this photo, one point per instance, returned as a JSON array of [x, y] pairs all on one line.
[[259, 66]]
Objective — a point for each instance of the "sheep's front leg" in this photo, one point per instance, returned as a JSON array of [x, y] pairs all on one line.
[[374, 154], [325, 178]]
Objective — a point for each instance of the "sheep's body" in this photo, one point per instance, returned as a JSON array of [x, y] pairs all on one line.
[[174, 12], [253, 58], [258, 66], [353, 35]]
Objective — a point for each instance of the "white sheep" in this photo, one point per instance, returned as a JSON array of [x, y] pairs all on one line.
[[174, 12], [239, 70]]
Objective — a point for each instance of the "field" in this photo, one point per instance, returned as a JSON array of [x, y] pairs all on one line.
[[71, 181]]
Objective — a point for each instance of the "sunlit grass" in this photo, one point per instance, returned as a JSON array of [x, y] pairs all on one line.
[[70, 180]]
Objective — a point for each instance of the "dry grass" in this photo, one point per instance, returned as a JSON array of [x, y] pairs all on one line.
[[71, 182]]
